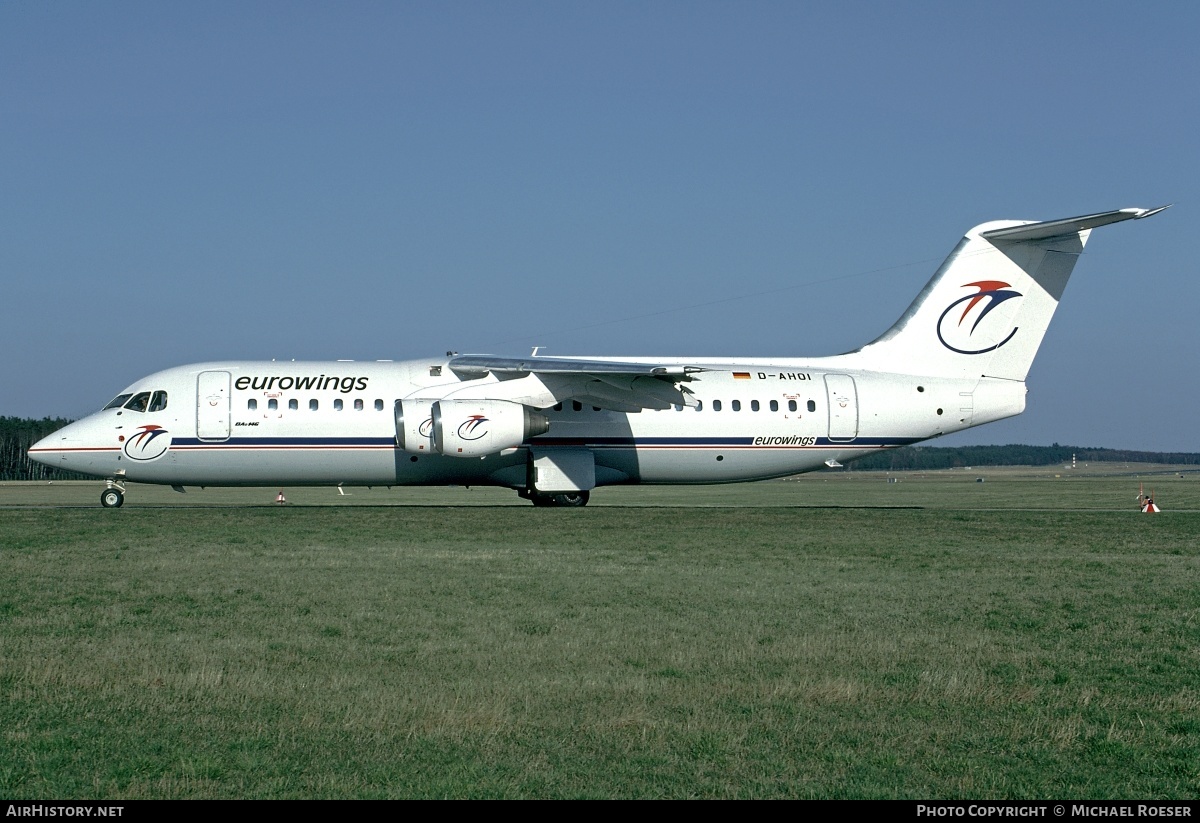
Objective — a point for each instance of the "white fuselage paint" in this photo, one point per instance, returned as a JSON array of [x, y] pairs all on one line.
[[205, 437]]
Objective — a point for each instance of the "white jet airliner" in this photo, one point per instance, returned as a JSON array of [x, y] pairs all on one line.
[[554, 428]]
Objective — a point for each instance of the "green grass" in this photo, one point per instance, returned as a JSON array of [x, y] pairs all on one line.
[[806, 639]]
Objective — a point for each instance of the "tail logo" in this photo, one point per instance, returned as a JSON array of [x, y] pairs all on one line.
[[472, 428], [965, 331], [150, 442]]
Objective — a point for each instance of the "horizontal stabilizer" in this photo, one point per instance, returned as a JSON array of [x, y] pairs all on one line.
[[1069, 226]]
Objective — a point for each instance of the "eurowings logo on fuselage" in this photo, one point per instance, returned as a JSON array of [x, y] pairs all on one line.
[[150, 442], [959, 333], [472, 428]]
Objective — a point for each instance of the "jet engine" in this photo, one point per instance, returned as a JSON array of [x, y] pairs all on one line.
[[414, 426], [475, 428]]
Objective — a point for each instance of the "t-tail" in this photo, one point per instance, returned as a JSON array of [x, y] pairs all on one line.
[[985, 311]]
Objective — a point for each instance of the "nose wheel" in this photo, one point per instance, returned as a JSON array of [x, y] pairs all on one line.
[[112, 498]]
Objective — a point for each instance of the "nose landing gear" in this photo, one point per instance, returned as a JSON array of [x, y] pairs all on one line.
[[114, 496]]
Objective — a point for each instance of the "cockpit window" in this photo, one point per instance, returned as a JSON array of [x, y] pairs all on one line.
[[139, 402], [118, 401]]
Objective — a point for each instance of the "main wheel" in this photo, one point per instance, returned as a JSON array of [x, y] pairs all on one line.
[[567, 500], [111, 498]]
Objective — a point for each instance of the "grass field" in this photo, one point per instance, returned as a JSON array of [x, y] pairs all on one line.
[[1030, 636]]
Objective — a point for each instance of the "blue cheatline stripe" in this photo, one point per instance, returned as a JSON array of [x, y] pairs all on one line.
[[591, 442], [287, 441], [858, 442]]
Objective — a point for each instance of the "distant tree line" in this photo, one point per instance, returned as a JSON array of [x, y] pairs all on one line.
[[909, 458], [17, 434]]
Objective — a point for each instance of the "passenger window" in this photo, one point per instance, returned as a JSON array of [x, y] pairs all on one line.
[[774, 405], [378, 405], [737, 405], [791, 405], [252, 404], [293, 404], [576, 405], [753, 405], [358, 404], [158, 402], [337, 404], [313, 405], [716, 405], [118, 401], [678, 407], [699, 405], [139, 402], [272, 404], [558, 406], [812, 406]]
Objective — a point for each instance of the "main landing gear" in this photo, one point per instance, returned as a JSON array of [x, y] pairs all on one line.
[[112, 497], [566, 500]]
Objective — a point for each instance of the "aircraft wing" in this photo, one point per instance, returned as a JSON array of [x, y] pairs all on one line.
[[544, 381], [481, 364]]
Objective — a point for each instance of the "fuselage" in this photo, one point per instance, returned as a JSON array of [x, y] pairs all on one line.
[[315, 423]]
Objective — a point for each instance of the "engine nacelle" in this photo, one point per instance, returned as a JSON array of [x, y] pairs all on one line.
[[475, 428], [414, 426]]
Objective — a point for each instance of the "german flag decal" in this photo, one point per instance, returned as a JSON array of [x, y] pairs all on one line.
[[741, 375]]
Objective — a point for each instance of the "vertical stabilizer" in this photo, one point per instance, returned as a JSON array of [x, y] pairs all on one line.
[[986, 309]]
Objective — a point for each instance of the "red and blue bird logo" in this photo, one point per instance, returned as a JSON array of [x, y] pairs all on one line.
[[966, 331], [472, 428], [149, 442]]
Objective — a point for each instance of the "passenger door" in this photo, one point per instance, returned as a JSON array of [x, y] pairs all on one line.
[[213, 400], [843, 407]]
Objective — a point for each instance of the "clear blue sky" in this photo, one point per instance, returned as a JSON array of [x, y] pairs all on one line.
[[183, 182]]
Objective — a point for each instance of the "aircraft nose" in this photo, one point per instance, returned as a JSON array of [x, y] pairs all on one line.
[[45, 451], [75, 447]]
